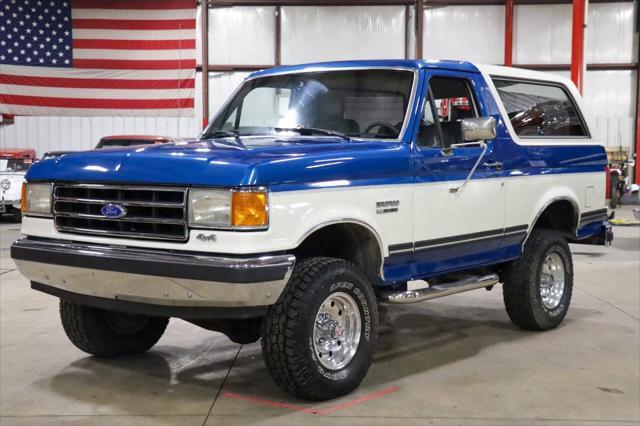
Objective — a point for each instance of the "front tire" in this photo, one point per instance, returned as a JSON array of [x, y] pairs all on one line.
[[109, 334], [318, 340], [16, 215], [537, 287]]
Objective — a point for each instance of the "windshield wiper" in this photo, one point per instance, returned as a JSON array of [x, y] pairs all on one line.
[[224, 134], [309, 130]]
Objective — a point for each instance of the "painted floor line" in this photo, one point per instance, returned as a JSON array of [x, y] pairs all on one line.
[[317, 411]]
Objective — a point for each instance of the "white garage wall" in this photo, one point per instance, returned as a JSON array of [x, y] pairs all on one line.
[[471, 33], [609, 37], [311, 34], [80, 133], [542, 34], [242, 35]]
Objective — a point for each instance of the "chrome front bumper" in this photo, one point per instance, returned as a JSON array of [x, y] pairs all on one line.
[[162, 278]]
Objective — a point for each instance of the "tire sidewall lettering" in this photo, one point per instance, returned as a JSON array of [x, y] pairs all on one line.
[[365, 315]]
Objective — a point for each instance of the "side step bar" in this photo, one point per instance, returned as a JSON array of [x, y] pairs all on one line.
[[438, 290]]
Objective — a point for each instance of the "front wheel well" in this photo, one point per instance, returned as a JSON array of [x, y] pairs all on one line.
[[349, 241]]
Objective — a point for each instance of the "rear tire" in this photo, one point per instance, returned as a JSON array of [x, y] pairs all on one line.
[[537, 287], [319, 338], [109, 334]]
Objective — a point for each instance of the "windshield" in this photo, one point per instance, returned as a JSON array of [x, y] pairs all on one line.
[[357, 103], [15, 164]]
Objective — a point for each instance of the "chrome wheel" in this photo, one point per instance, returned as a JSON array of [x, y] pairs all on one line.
[[336, 331], [552, 281]]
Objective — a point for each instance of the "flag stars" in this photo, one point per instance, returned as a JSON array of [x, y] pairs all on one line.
[[36, 32]]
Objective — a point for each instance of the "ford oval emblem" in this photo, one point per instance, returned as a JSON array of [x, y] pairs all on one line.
[[113, 211]]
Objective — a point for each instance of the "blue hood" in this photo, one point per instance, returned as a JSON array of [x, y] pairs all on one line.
[[223, 162]]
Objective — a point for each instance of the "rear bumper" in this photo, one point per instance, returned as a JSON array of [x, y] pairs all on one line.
[[177, 281]]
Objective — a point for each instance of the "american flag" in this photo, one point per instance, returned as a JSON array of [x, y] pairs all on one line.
[[97, 57]]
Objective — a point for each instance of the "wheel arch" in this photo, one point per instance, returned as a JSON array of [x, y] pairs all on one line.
[[560, 212], [363, 244]]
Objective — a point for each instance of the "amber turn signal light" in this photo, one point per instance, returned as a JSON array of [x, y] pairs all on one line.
[[23, 198], [249, 208]]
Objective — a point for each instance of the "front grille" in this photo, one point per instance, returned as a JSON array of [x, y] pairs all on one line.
[[157, 213]]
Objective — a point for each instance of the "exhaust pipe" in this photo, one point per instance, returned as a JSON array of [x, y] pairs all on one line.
[[438, 290]]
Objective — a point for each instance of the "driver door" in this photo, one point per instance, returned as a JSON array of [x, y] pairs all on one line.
[[452, 229]]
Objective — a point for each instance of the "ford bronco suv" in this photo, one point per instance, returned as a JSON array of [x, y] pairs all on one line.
[[317, 192]]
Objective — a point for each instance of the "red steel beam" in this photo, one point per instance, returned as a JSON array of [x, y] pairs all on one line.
[[204, 45], [508, 33], [577, 44]]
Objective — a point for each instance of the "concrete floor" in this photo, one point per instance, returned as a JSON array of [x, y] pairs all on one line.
[[456, 360]]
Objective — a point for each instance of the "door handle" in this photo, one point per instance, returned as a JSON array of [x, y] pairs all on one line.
[[494, 165]]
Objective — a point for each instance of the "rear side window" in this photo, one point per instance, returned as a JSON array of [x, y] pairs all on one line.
[[539, 110]]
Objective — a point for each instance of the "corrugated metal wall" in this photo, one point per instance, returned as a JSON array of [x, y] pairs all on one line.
[[542, 36]]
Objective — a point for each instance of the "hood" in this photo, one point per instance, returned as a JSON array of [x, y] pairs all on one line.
[[223, 162]]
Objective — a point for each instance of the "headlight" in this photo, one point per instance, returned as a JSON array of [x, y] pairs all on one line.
[[36, 199], [244, 209], [5, 184]]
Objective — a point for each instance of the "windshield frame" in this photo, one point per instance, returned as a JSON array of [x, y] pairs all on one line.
[[311, 70]]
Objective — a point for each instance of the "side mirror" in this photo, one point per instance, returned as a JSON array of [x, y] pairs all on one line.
[[480, 128]]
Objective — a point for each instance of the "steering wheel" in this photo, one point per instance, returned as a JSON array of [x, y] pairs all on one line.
[[382, 125]]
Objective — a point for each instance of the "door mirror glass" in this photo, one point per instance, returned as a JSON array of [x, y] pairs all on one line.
[[479, 128]]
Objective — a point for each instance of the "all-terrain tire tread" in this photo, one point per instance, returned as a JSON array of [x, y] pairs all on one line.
[[85, 329], [519, 274]]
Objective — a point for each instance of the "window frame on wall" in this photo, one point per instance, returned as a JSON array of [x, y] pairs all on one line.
[[554, 140]]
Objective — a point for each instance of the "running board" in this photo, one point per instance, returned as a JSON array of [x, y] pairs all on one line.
[[438, 290]]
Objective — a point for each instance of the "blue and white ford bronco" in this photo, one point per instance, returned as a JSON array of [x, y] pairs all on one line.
[[317, 192]]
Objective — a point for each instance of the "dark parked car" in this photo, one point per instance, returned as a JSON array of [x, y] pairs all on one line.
[[131, 140]]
